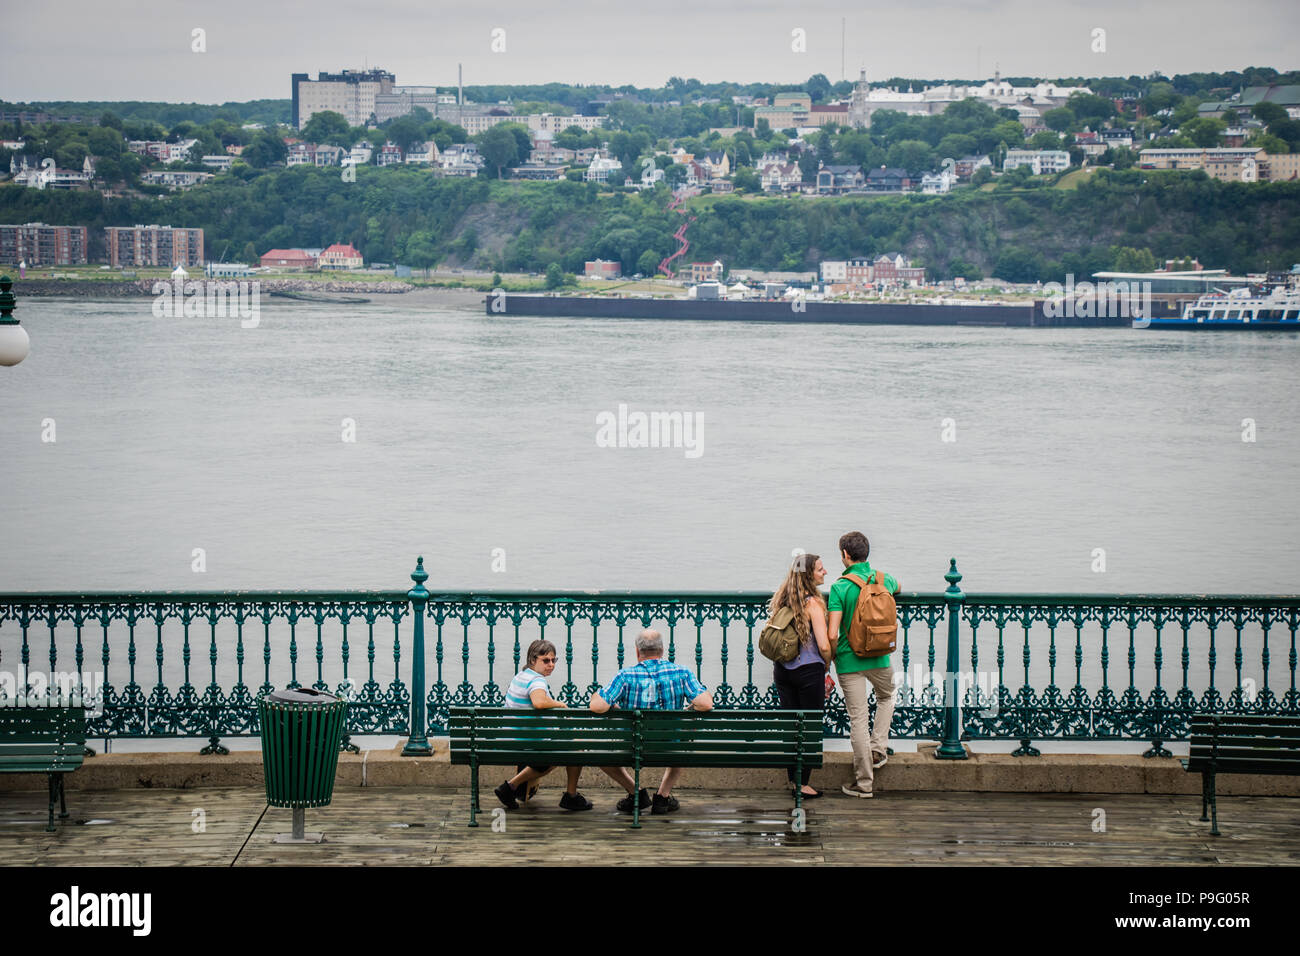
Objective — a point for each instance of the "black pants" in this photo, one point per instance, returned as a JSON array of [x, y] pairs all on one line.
[[803, 688]]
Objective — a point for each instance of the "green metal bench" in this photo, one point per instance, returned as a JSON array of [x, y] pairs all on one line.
[[633, 738], [49, 740], [1230, 743]]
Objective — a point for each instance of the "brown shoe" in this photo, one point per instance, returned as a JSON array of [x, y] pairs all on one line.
[[879, 759], [853, 791]]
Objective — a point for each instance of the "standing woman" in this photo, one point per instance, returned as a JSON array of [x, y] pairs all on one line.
[[801, 683]]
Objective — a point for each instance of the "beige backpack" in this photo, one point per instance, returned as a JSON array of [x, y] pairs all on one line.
[[873, 631]]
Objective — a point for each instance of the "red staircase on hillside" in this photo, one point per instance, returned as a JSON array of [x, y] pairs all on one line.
[[680, 235]]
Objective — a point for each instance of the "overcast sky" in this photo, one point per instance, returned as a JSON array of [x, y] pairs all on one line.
[[141, 49]]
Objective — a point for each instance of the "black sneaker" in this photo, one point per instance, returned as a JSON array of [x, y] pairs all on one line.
[[506, 794], [526, 791], [574, 801], [665, 805], [625, 805]]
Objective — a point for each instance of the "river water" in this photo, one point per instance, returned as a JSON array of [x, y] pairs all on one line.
[[1019, 452]]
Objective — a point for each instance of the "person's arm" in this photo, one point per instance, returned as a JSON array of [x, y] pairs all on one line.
[[598, 705], [542, 700], [833, 627], [820, 633], [835, 604], [702, 701]]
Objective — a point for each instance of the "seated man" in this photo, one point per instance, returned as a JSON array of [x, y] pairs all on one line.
[[529, 690], [652, 683]]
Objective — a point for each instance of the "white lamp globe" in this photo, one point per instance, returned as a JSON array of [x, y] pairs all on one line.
[[14, 344]]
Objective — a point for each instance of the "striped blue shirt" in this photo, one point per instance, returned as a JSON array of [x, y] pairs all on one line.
[[523, 684], [654, 684]]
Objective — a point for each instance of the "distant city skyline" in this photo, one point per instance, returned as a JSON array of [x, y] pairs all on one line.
[[134, 50]]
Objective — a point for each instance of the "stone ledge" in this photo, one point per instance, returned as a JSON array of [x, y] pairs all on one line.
[[917, 772]]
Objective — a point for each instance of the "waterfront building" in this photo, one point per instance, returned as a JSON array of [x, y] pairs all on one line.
[[938, 183], [288, 260], [340, 256], [41, 176], [461, 159], [37, 244], [1286, 96], [162, 151], [1030, 102], [600, 168], [863, 272], [423, 154], [1040, 161], [718, 164], [359, 155], [602, 269], [1278, 167], [1117, 137], [154, 245], [227, 270], [834, 271], [967, 166], [175, 179], [704, 271], [401, 100], [888, 179], [839, 179], [780, 177], [351, 93], [1227, 164]]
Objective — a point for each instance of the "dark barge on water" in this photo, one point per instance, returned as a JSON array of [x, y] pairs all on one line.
[[1000, 315]]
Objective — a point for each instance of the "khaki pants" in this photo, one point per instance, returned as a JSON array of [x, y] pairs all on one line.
[[862, 735]]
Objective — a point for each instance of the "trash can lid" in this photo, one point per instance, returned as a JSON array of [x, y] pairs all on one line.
[[302, 695]]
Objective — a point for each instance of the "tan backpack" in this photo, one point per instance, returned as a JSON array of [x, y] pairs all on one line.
[[873, 631]]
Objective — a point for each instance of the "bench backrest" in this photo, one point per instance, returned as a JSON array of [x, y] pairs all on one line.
[[660, 738], [42, 739], [1247, 743]]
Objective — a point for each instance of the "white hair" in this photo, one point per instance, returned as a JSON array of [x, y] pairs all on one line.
[[650, 643]]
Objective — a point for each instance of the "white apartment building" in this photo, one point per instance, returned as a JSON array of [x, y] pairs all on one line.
[[1040, 161]]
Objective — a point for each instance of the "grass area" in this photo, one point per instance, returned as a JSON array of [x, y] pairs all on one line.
[[1072, 179]]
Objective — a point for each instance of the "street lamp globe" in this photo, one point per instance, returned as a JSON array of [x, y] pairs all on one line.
[[14, 344]]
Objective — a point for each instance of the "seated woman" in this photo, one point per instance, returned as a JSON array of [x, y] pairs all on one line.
[[801, 683], [529, 690]]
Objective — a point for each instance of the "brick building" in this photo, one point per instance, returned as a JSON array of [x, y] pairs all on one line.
[[40, 245], [154, 246]]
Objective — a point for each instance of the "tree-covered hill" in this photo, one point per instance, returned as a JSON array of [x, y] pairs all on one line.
[[406, 215]]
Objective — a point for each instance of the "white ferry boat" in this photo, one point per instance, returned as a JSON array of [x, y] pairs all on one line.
[[1239, 308]]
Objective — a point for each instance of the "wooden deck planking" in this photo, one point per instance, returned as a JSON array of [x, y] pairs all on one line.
[[404, 826]]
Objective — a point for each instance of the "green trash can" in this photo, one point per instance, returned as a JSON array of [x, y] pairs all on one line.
[[301, 731]]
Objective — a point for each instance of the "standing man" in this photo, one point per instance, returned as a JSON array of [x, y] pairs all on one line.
[[652, 683], [870, 745]]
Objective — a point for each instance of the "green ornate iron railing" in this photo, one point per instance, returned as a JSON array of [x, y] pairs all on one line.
[[1136, 667]]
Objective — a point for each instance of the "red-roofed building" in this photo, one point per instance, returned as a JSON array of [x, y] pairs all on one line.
[[289, 260], [340, 256]]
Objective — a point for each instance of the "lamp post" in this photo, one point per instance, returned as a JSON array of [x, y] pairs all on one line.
[[14, 344]]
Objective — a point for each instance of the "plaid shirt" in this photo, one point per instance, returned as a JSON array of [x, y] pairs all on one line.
[[654, 684]]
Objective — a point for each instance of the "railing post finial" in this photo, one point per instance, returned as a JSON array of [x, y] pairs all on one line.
[[417, 745], [951, 748]]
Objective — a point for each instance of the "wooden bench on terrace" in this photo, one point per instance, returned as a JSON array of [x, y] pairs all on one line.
[[1240, 743], [483, 736], [43, 739]]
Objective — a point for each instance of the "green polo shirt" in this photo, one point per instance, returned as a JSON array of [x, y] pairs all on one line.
[[844, 597]]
